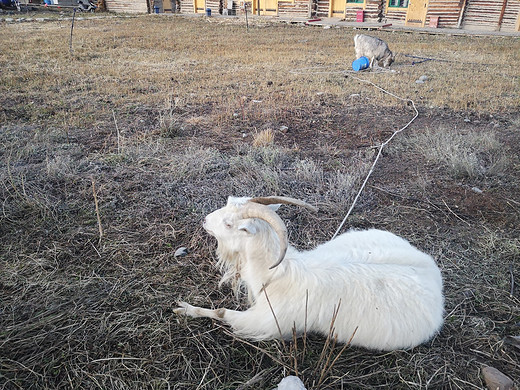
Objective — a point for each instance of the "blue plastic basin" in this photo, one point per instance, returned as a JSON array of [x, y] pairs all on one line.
[[360, 64]]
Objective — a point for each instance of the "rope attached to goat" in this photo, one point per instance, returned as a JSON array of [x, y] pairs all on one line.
[[426, 59], [380, 148], [349, 73]]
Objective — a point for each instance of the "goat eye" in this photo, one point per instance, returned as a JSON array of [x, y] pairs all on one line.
[[228, 224]]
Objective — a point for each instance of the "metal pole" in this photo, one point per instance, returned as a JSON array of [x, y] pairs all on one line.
[[72, 29], [247, 23]]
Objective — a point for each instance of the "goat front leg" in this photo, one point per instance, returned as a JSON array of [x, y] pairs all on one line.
[[248, 324], [196, 312]]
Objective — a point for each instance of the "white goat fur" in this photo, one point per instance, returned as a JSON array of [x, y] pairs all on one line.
[[375, 49], [389, 293]]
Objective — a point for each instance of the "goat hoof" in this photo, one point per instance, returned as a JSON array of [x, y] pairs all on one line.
[[182, 309]]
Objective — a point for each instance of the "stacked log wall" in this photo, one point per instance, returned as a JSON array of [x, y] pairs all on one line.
[[489, 15], [371, 11], [395, 15], [187, 7], [323, 9], [448, 12], [482, 15], [133, 7], [296, 8], [511, 15], [215, 6]]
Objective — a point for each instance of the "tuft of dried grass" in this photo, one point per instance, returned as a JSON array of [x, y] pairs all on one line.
[[465, 154], [263, 138]]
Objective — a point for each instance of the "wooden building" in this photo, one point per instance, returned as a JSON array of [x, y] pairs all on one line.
[[141, 6], [192, 6], [498, 15], [200, 6], [467, 14], [490, 15], [486, 15], [296, 8], [355, 10]]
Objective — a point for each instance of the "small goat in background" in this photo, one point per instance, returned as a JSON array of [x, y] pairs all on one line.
[[375, 49], [376, 285]]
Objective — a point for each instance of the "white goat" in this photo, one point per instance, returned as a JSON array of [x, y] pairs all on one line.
[[375, 49], [380, 289]]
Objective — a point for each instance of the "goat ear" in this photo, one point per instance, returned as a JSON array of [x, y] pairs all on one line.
[[274, 207], [247, 226]]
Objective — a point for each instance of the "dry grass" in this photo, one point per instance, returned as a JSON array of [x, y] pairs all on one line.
[[264, 138], [464, 154], [154, 111]]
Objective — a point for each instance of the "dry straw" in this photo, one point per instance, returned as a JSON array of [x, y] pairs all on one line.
[[100, 227], [264, 138]]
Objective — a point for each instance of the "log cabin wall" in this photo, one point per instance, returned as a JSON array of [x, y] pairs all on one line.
[[394, 15], [215, 6], [448, 12], [482, 14], [322, 9], [296, 8], [511, 16], [371, 9], [135, 7], [187, 7], [351, 11], [486, 15], [489, 15]]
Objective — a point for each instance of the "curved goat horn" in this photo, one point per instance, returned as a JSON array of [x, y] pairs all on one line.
[[266, 200], [258, 210]]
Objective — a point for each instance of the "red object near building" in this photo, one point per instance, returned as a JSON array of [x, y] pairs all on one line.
[[360, 16]]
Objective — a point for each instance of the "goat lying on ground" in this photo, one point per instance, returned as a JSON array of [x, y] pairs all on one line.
[[381, 289], [375, 49]]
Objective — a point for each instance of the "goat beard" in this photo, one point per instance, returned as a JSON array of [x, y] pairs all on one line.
[[229, 265]]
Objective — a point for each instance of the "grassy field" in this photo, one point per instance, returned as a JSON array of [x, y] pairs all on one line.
[[115, 145]]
